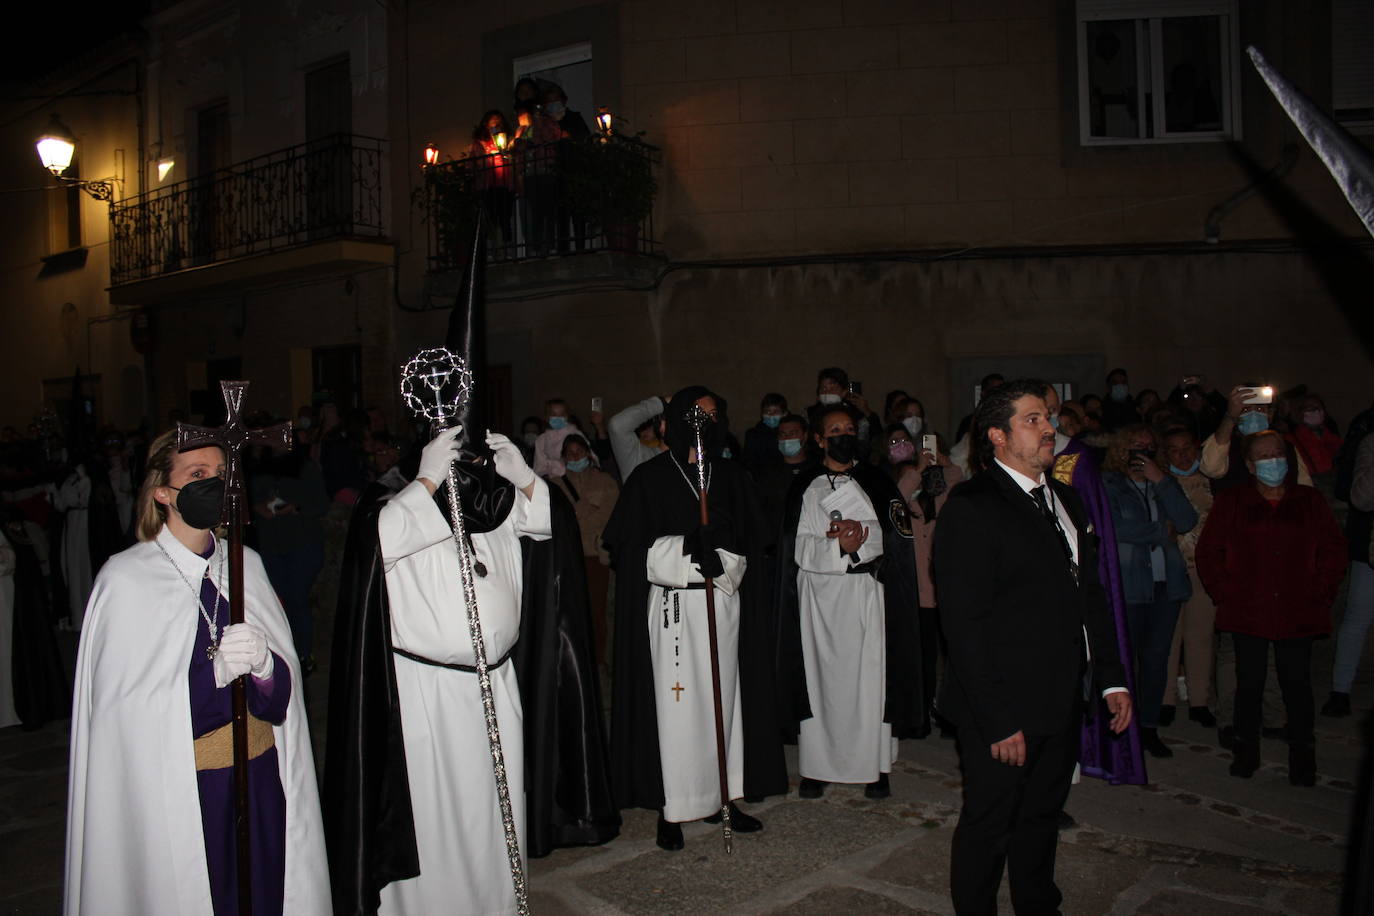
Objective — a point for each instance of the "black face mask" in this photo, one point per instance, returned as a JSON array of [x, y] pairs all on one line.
[[200, 502], [841, 449]]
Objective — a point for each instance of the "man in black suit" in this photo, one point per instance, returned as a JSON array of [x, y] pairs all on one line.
[[1016, 565]]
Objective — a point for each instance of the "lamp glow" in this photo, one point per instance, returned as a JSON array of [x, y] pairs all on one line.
[[500, 140], [431, 154], [56, 147], [604, 119], [164, 167]]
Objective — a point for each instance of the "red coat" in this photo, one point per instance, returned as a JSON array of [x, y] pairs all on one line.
[[1272, 570]]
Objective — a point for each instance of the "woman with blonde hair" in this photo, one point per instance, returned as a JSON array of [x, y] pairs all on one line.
[[150, 817]]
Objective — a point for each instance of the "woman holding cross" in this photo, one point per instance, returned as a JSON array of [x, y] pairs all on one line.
[[150, 820]]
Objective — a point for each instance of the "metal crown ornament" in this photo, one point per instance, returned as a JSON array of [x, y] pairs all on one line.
[[430, 375]]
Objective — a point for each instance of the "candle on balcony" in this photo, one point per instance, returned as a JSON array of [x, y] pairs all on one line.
[[500, 140]]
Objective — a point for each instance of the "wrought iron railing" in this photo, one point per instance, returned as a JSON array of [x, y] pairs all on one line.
[[563, 198], [322, 189]]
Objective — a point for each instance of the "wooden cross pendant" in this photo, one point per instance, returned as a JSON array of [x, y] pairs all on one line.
[[677, 689]]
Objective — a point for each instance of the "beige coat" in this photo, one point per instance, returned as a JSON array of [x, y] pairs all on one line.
[[593, 493]]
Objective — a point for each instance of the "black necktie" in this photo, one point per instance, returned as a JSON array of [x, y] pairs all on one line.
[[1038, 494]]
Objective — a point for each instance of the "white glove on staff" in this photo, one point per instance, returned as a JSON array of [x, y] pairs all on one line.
[[242, 650], [441, 452], [510, 464]]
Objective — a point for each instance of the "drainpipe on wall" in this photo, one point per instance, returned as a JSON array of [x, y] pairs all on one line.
[[1211, 229]]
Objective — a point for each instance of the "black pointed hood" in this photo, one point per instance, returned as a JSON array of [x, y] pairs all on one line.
[[486, 496]]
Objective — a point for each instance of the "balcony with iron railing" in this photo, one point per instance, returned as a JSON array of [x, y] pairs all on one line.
[[315, 206], [542, 205]]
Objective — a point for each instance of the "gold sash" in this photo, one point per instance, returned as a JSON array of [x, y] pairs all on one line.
[[215, 750]]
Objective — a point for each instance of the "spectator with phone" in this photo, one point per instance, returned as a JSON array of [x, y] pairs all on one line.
[[1249, 410], [1149, 511], [834, 387], [925, 485], [1272, 557]]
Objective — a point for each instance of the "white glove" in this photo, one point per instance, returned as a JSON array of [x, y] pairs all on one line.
[[437, 457], [242, 650], [510, 464]]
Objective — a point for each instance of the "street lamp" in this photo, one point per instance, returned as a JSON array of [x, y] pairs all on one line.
[[604, 119], [55, 150], [431, 154]]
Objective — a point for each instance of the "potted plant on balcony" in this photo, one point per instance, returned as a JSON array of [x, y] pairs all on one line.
[[627, 190]]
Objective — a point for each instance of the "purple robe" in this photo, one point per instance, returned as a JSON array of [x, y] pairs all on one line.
[[1118, 759], [211, 707]]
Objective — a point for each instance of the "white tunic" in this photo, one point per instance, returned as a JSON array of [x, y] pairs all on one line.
[[680, 645], [73, 498], [844, 644], [461, 842], [135, 844]]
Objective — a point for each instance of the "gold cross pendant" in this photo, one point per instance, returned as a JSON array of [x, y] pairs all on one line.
[[677, 689]]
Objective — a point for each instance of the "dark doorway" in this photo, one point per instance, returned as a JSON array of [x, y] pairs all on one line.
[[328, 128], [211, 216]]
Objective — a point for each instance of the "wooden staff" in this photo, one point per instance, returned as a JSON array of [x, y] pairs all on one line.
[[232, 437], [698, 418]]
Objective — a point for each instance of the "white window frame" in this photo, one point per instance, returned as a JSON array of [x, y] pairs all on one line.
[[1149, 29], [565, 56]]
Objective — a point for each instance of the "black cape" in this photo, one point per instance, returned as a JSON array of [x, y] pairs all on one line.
[[905, 709], [658, 501], [37, 675], [369, 823]]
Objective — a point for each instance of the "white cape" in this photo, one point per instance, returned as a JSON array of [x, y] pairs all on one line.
[[134, 838]]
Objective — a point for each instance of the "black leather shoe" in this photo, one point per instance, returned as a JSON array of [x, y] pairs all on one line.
[[879, 789], [669, 835], [811, 788], [1166, 714], [739, 821], [1149, 739], [1337, 705], [1245, 758], [1202, 716]]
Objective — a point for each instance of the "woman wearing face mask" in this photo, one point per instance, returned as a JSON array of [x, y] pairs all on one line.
[[150, 819], [548, 446], [1272, 557], [1149, 512], [1316, 437], [1222, 460], [592, 493]]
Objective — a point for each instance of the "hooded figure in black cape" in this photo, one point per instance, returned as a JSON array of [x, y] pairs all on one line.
[[659, 501], [369, 824], [904, 709], [37, 676]]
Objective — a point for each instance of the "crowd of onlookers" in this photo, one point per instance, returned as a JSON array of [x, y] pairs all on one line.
[[521, 172], [1224, 504]]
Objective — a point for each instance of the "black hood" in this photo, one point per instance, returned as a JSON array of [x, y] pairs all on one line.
[[486, 497], [679, 434]]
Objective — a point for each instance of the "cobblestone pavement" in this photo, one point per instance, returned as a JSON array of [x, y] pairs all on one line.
[[1195, 840]]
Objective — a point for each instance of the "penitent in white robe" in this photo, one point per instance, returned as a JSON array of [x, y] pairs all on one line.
[[679, 643], [464, 866], [843, 641], [135, 844]]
